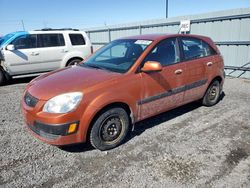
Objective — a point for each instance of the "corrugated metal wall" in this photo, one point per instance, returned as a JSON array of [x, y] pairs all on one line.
[[229, 29]]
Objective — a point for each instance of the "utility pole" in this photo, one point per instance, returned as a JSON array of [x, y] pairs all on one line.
[[166, 8], [23, 25]]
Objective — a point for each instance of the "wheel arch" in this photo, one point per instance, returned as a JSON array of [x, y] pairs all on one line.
[[219, 78], [123, 105], [73, 58], [7, 77]]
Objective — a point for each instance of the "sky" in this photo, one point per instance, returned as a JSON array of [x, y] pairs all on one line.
[[36, 14]]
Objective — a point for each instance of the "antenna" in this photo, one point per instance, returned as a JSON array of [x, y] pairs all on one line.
[[23, 25]]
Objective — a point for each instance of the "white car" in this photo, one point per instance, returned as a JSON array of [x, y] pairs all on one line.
[[31, 53]]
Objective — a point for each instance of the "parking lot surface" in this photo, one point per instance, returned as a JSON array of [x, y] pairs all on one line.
[[192, 146]]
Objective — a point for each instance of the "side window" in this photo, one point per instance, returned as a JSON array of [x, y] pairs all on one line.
[[25, 42], [165, 52], [192, 48], [208, 50], [50, 40], [77, 39]]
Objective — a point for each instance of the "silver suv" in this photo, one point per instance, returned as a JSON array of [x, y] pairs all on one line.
[[31, 53]]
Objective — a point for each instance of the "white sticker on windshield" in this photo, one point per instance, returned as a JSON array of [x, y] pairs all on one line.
[[143, 42]]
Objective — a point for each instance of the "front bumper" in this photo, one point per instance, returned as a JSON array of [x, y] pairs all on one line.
[[54, 129], [52, 132]]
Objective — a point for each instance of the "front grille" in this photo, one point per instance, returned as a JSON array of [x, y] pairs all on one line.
[[30, 100], [42, 133]]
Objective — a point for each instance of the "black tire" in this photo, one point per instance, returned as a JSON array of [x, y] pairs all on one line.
[[74, 62], [212, 94], [2, 77], [109, 129]]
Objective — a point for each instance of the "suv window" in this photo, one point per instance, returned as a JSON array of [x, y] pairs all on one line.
[[25, 42], [50, 40], [196, 48], [165, 52], [77, 39]]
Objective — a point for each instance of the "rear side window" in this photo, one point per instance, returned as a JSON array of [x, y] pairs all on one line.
[[77, 39], [195, 48], [50, 40], [208, 50], [25, 42]]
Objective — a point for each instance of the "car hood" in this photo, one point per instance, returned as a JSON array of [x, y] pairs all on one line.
[[70, 79]]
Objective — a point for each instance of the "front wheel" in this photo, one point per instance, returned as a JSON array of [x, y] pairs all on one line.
[[212, 94], [109, 129], [73, 62], [2, 77]]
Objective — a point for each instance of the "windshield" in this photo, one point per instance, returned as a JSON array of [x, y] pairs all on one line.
[[6, 38], [118, 56]]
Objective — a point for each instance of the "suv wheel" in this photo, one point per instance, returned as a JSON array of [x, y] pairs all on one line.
[[74, 62], [2, 77], [110, 129], [212, 94]]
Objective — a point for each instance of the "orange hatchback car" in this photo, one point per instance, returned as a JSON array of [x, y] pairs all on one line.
[[126, 81]]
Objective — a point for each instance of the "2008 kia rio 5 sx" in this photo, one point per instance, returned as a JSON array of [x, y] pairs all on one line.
[[126, 81]]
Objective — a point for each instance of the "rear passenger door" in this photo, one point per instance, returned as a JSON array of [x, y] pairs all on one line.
[[50, 51], [195, 56]]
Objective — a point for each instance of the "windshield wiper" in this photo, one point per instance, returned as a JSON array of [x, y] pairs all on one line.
[[95, 66]]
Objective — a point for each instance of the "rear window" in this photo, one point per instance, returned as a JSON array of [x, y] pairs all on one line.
[[50, 40], [77, 39], [196, 48]]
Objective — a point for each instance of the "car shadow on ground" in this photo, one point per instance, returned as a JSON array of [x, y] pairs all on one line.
[[142, 126], [77, 148], [19, 81], [148, 123]]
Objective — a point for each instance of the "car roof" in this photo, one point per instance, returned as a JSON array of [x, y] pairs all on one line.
[[161, 36], [55, 31]]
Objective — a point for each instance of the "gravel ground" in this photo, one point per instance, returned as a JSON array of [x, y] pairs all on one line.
[[192, 146]]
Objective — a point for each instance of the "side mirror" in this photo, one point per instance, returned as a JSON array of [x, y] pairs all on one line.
[[151, 66], [10, 47]]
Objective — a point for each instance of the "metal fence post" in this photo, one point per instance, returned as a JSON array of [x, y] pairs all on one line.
[[109, 33], [88, 34], [140, 30]]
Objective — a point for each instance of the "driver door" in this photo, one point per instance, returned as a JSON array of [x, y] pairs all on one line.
[[165, 89], [20, 59]]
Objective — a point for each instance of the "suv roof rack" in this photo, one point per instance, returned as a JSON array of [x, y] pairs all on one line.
[[62, 29]]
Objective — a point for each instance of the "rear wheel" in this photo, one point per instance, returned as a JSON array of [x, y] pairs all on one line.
[[74, 62], [212, 94], [2, 77], [109, 129]]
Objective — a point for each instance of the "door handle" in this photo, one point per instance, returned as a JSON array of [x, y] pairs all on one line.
[[64, 50], [209, 64], [178, 71], [35, 53]]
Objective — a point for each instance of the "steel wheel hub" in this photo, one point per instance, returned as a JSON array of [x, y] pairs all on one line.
[[111, 129], [213, 93]]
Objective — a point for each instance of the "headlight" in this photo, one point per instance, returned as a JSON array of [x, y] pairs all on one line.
[[63, 103]]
